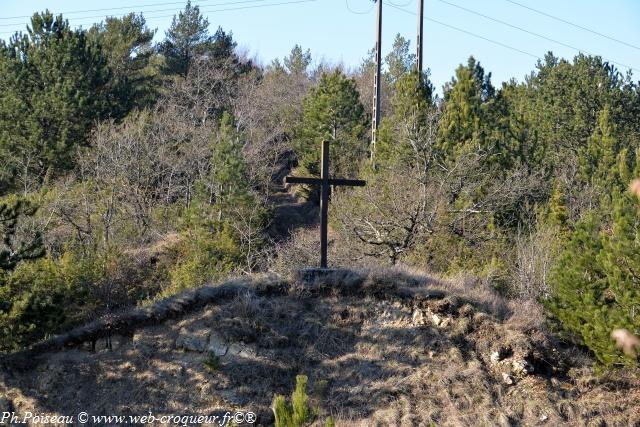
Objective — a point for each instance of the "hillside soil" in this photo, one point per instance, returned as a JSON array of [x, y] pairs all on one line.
[[384, 348]]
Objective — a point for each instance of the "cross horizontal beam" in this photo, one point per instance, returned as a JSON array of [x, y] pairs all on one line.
[[325, 183], [318, 181]]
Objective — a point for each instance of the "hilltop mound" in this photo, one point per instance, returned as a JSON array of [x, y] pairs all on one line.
[[379, 348]]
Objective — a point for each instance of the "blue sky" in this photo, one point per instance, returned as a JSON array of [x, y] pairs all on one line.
[[332, 30]]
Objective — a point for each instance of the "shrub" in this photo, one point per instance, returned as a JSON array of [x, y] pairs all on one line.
[[48, 295], [203, 255], [218, 240], [298, 413], [212, 362], [595, 287], [35, 301]]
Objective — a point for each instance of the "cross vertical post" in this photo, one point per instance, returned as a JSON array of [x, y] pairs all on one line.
[[324, 203], [324, 181]]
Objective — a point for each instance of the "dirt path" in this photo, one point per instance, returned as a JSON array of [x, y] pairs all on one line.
[[290, 213]]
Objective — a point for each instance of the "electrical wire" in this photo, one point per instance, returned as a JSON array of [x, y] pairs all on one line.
[[533, 33], [143, 5], [148, 11], [217, 10], [355, 12], [469, 33], [400, 5], [573, 24]]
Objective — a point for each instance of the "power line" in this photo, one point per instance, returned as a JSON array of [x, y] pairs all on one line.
[[220, 10], [145, 11], [573, 24], [143, 5], [532, 33], [355, 12], [470, 33], [401, 5]]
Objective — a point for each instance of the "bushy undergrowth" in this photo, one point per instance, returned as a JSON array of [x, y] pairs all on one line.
[[203, 256], [217, 241], [49, 295], [596, 282], [298, 413]]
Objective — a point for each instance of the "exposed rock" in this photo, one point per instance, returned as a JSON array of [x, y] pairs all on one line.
[[500, 354], [436, 320], [217, 345], [521, 367], [191, 343], [128, 322], [443, 322], [239, 349], [418, 317], [425, 317], [377, 368], [506, 378]]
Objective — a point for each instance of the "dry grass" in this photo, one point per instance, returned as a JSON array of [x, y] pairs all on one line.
[[369, 344]]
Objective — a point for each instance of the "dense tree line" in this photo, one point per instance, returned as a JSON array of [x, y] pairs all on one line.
[[131, 170], [525, 186]]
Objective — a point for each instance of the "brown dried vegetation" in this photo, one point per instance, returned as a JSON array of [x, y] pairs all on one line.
[[380, 347]]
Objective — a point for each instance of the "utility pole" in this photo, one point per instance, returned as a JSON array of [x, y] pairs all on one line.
[[376, 82], [419, 38]]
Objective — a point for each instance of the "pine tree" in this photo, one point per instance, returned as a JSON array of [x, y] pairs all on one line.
[[13, 247], [399, 61], [604, 164], [228, 165], [401, 136], [298, 61], [463, 124], [332, 111], [565, 102], [54, 84], [222, 46], [187, 37], [298, 413], [596, 283], [127, 44], [558, 214]]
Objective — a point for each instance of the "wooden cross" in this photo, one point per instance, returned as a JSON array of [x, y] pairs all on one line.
[[324, 181]]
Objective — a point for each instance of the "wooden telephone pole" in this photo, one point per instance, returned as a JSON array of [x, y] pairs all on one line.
[[376, 82], [419, 37]]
